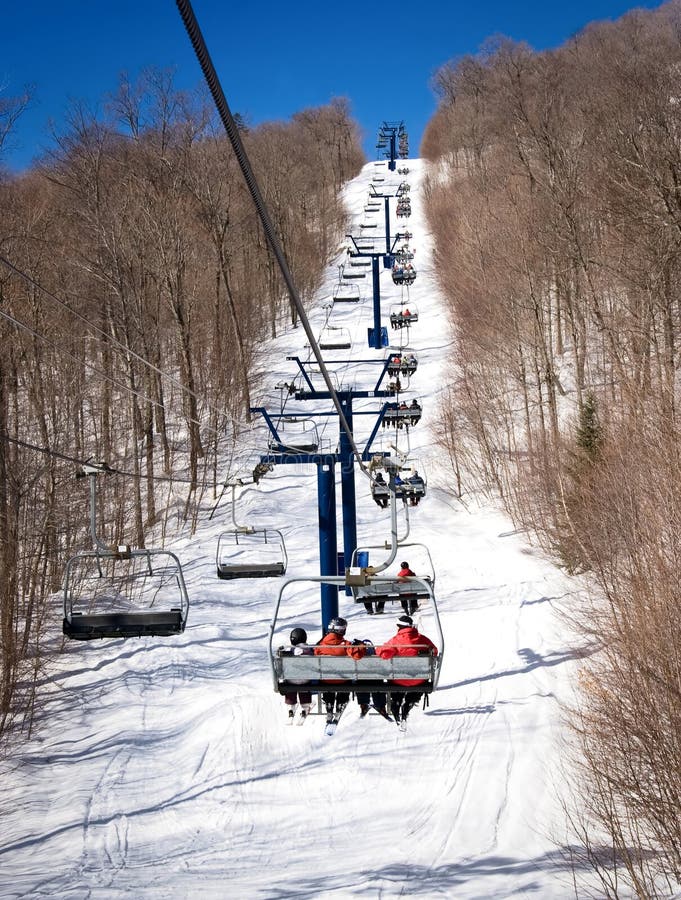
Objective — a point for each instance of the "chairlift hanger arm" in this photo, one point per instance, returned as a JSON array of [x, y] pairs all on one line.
[[303, 372], [382, 375], [268, 421], [373, 434]]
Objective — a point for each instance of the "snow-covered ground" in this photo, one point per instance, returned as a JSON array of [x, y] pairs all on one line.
[[164, 767]]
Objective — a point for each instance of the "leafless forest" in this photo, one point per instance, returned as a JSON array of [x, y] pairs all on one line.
[[555, 199], [135, 288]]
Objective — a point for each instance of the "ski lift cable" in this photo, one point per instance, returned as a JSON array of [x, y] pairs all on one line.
[[203, 56]]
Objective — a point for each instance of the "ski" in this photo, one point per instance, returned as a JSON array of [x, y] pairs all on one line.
[[302, 718], [331, 726], [384, 713], [290, 719]]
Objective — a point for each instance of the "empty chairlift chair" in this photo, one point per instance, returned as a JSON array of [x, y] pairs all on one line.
[[124, 593], [295, 434], [334, 337], [346, 293], [251, 553]]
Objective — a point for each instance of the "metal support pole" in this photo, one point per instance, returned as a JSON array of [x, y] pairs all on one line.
[[328, 547], [349, 503], [391, 164], [388, 248], [375, 272]]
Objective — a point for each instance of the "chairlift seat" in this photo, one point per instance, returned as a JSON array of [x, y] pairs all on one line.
[[251, 570], [371, 673], [148, 623], [402, 366], [398, 416], [391, 592], [291, 449]]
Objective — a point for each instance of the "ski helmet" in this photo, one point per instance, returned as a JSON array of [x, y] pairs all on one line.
[[405, 622], [337, 625], [298, 636], [405, 565]]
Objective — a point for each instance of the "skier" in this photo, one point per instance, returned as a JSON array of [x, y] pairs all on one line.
[[298, 647], [334, 644], [407, 642], [410, 604]]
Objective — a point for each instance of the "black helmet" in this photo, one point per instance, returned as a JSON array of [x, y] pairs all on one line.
[[405, 565], [337, 625], [298, 636]]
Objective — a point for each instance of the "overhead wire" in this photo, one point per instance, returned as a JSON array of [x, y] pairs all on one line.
[[112, 340], [203, 56], [82, 362], [110, 470]]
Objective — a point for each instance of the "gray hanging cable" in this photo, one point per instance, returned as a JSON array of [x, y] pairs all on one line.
[[209, 73]]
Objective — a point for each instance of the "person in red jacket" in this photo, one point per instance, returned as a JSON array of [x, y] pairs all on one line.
[[334, 644], [409, 604], [407, 642]]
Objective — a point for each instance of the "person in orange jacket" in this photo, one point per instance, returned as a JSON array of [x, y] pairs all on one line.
[[334, 644], [406, 642]]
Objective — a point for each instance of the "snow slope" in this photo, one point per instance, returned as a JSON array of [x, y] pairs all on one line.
[[164, 768]]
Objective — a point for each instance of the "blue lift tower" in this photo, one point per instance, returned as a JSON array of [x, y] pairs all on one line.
[[394, 136], [378, 334], [282, 453]]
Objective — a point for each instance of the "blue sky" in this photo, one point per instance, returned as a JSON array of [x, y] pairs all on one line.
[[273, 59]]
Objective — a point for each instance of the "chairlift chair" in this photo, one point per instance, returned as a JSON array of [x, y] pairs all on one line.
[[410, 481], [333, 337], [403, 315], [403, 273], [251, 553], [343, 674], [402, 363], [403, 415], [296, 435], [122, 593], [404, 254], [415, 591], [346, 293]]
